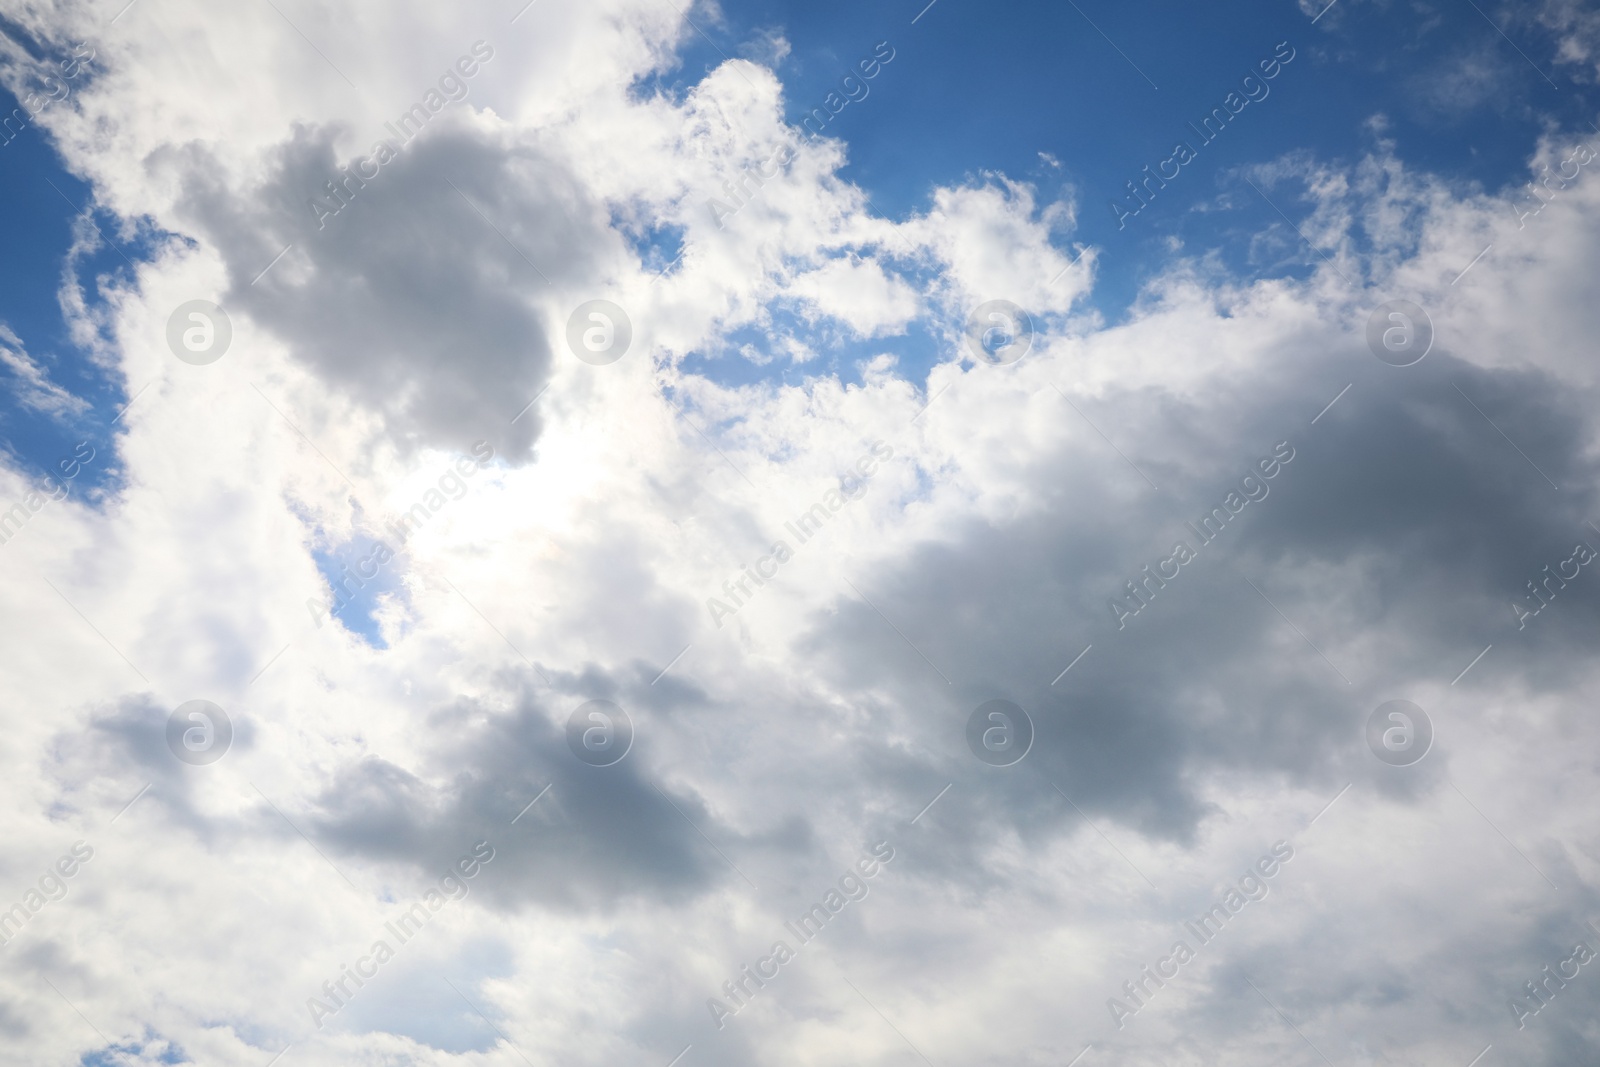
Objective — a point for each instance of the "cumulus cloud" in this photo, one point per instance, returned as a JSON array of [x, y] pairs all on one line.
[[797, 588]]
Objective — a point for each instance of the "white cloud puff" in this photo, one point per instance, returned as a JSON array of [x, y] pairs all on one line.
[[797, 590]]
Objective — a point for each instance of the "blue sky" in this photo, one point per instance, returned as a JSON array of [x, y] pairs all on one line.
[[48, 201]]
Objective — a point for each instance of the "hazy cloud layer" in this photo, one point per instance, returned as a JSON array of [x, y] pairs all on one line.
[[797, 586]]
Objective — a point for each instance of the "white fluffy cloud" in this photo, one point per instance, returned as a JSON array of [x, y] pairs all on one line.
[[966, 534]]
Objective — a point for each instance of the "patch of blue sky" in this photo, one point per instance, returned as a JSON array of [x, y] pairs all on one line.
[[153, 1049], [797, 342], [48, 209], [658, 245], [415, 1001], [359, 579]]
